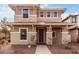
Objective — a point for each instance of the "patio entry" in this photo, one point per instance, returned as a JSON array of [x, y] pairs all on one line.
[[41, 35], [56, 34]]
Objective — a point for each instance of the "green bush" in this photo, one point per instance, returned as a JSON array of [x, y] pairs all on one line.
[[67, 46]]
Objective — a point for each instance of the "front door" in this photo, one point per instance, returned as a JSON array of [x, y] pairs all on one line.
[[41, 36]]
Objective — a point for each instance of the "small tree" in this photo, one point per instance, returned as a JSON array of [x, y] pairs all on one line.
[[5, 28], [32, 40]]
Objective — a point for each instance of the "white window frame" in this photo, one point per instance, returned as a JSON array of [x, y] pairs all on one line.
[[52, 14]]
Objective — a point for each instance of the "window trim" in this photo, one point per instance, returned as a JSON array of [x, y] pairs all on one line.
[[52, 14], [28, 12], [26, 34]]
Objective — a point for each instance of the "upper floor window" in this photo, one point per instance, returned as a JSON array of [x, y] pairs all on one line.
[[73, 19], [41, 14], [55, 14], [48, 14], [25, 13]]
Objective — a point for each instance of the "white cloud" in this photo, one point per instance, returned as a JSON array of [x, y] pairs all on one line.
[[6, 12]]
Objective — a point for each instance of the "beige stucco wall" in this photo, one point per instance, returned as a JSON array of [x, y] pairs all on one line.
[[30, 35], [15, 35], [50, 40], [69, 20], [58, 39], [30, 28], [74, 35], [15, 38], [18, 17], [34, 13], [19, 10], [66, 37]]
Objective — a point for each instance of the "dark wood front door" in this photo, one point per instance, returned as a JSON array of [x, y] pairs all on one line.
[[41, 36]]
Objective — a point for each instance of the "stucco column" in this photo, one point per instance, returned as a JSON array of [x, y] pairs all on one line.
[[49, 36], [65, 35], [32, 35]]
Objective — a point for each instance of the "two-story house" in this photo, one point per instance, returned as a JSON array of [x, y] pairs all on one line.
[[43, 25], [74, 30]]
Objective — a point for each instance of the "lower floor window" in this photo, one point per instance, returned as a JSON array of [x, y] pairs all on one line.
[[23, 34]]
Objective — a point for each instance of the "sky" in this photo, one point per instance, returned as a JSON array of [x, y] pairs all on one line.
[[6, 11]]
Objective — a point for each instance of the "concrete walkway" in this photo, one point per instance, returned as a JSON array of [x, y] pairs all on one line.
[[42, 49]]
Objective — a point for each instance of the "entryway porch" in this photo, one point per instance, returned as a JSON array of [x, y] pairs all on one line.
[[51, 34]]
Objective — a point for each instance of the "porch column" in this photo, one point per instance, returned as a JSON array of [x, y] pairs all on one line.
[[32, 35], [65, 35], [49, 35]]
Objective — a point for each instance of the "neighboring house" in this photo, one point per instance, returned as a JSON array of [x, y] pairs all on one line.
[[44, 24], [74, 30]]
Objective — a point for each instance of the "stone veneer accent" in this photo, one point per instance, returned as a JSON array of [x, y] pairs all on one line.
[[66, 37], [15, 38], [49, 38], [30, 34]]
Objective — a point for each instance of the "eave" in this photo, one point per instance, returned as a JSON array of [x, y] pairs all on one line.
[[53, 24]]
